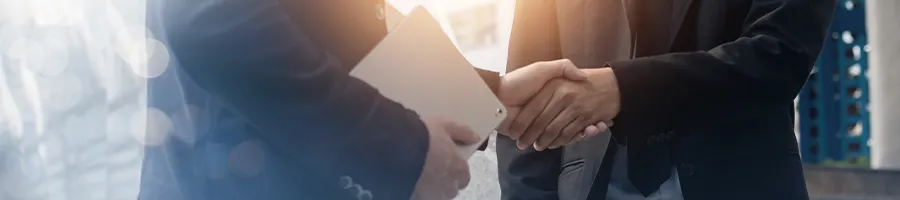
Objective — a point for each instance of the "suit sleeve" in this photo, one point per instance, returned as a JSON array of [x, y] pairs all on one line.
[[529, 174], [762, 70], [256, 60]]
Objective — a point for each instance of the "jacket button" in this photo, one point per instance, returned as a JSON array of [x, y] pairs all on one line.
[[364, 195], [687, 169], [652, 139], [345, 182]]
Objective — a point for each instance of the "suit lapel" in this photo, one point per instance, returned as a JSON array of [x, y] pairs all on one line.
[[658, 24], [680, 9]]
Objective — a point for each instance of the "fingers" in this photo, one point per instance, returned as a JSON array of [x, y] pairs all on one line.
[[462, 174], [571, 132], [518, 86], [528, 114], [536, 132], [601, 128], [449, 192], [547, 70], [588, 132], [553, 131], [458, 177], [461, 134], [568, 138], [556, 129], [591, 130]]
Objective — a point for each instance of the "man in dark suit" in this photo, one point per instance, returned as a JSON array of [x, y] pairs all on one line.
[[701, 93], [272, 78], [271, 112], [285, 120]]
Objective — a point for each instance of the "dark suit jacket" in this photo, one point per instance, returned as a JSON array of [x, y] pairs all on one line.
[[273, 111], [710, 92]]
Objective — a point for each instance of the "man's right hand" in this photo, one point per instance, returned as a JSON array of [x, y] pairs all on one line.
[[445, 171], [518, 87]]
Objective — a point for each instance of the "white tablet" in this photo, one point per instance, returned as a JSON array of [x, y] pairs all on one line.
[[418, 66]]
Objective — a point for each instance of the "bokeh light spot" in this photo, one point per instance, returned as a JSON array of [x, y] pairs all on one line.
[[151, 128], [247, 159], [189, 122], [51, 149], [148, 58], [61, 92], [17, 48], [55, 56]]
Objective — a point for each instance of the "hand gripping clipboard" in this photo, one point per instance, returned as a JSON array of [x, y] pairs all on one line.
[[418, 66]]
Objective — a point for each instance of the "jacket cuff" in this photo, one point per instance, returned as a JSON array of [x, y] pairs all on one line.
[[410, 157], [388, 157], [643, 103]]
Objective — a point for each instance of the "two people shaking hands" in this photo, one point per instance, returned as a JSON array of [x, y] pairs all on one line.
[[549, 104], [554, 103], [275, 72], [702, 93]]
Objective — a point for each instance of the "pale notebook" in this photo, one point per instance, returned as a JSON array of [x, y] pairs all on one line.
[[417, 65]]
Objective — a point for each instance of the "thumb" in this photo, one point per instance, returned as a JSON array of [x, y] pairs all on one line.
[[570, 71], [461, 133]]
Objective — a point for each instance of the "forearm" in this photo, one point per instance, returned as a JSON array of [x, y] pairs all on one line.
[[762, 70], [254, 59]]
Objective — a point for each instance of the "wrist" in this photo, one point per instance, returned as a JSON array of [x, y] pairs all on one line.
[[605, 82]]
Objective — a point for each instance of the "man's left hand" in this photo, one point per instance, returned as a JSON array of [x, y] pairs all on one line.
[[563, 108]]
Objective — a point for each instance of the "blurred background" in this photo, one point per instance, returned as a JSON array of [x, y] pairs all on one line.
[[73, 96]]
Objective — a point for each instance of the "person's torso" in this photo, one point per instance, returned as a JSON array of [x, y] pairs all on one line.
[[594, 32], [730, 155], [213, 155], [346, 29]]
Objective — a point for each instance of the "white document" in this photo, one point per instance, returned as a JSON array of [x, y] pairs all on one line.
[[418, 66]]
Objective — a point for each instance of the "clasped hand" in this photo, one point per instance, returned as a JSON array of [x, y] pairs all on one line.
[[553, 103]]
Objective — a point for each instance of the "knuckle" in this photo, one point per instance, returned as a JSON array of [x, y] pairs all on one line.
[[553, 129], [566, 134], [517, 127], [566, 96], [549, 134], [571, 130], [530, 132], [575, 132], [582, 110]]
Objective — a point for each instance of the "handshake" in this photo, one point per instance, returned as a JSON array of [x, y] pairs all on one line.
[[550, 104], [554, 103]]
